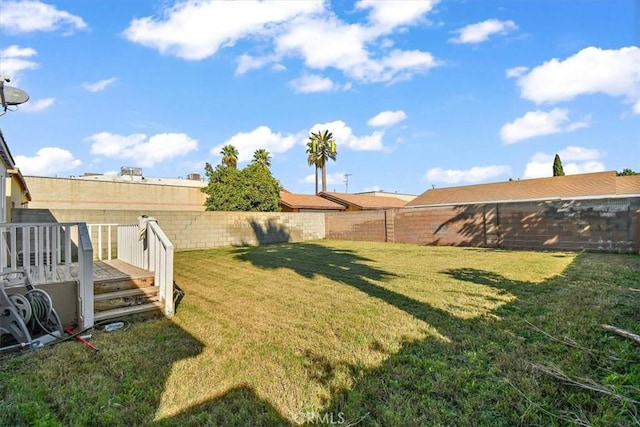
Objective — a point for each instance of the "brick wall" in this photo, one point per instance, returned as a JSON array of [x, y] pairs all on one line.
[[198, 230], [361, 225], [609, 225]]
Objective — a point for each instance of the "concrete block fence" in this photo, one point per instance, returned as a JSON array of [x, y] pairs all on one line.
[[198, 230], [603, 225]]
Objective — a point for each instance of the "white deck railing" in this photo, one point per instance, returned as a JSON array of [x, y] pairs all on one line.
[[51, 252], [154, 253], [102, 236]]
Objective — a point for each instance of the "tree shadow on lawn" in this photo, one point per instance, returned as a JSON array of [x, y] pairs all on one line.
[[345, 266], [479, 377], [238, 406]]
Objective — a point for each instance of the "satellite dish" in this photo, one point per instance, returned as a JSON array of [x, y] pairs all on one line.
[[14, 96]]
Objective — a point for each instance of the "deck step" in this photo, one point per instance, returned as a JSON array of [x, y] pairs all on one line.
[[120, 284], [117, 313], [125, 298], [148, 291]]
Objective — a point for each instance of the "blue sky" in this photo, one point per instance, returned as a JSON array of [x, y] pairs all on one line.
[[417, 93]]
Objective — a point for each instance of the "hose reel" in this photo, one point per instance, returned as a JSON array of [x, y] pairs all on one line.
[[25, 316]]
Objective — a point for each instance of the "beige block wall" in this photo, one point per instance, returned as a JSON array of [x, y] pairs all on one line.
[[70, 193], [198, 230]]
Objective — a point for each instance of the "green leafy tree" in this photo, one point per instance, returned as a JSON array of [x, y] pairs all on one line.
[[627, 172], [321, 148], [229, 156], [262, 190], [557, 166], [262, 158], [223, 188], [250, 189]]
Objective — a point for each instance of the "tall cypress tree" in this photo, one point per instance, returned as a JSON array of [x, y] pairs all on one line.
[[557, 166]]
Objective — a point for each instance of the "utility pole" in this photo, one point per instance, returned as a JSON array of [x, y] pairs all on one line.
[[346, 182]]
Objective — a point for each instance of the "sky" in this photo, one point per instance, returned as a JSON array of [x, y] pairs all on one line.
[[418, 94]]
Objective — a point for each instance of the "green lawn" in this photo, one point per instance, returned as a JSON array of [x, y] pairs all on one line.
[[355, 332]]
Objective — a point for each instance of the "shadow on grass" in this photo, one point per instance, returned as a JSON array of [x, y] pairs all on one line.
[[125, 380], [238, 406], [481, 376], [345, 266]]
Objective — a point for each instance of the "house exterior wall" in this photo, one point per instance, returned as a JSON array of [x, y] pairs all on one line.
[[14, 197], [70, 193], [197, 230]]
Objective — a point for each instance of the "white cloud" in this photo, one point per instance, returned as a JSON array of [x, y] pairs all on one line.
[[99, 85], [37, 105], [345, 138], [574, 160], [247, 62], [332, 179], [261, 137], [275, 142], [307, 30], [195, 30], [312, 83], [481, 31], [516, 72], [537, 123], [143, 151], [573, 153], [30, 16], [387, 118], [328, 42], [13, 62], [387, 15], [47, 161], [473, 175], [636, 108], [591, 70]]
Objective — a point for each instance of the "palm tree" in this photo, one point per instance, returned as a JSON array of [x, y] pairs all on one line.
[[229, 156], [321, 147], [312, 158], [262, 158]]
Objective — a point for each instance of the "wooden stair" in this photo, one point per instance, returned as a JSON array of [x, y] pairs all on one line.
[[122, 290]]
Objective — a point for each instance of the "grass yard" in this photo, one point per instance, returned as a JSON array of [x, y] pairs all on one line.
[[349, 333]]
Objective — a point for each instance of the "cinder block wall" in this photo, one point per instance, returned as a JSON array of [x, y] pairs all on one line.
[[68, 193], [361, 225], [607, 225], [198, 230]]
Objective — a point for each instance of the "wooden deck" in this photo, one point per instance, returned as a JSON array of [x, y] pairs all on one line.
[[102, 271], [115, 269]]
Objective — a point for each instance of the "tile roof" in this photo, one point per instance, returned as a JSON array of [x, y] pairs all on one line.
[[364, 201], [307, 201], [598, 184], [628, 184]]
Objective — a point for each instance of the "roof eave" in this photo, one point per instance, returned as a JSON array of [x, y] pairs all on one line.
[[544, 199]]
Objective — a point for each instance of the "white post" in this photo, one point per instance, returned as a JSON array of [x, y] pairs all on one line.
[[85, 285]]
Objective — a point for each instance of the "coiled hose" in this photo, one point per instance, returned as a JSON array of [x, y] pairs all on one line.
[[41, 306]]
